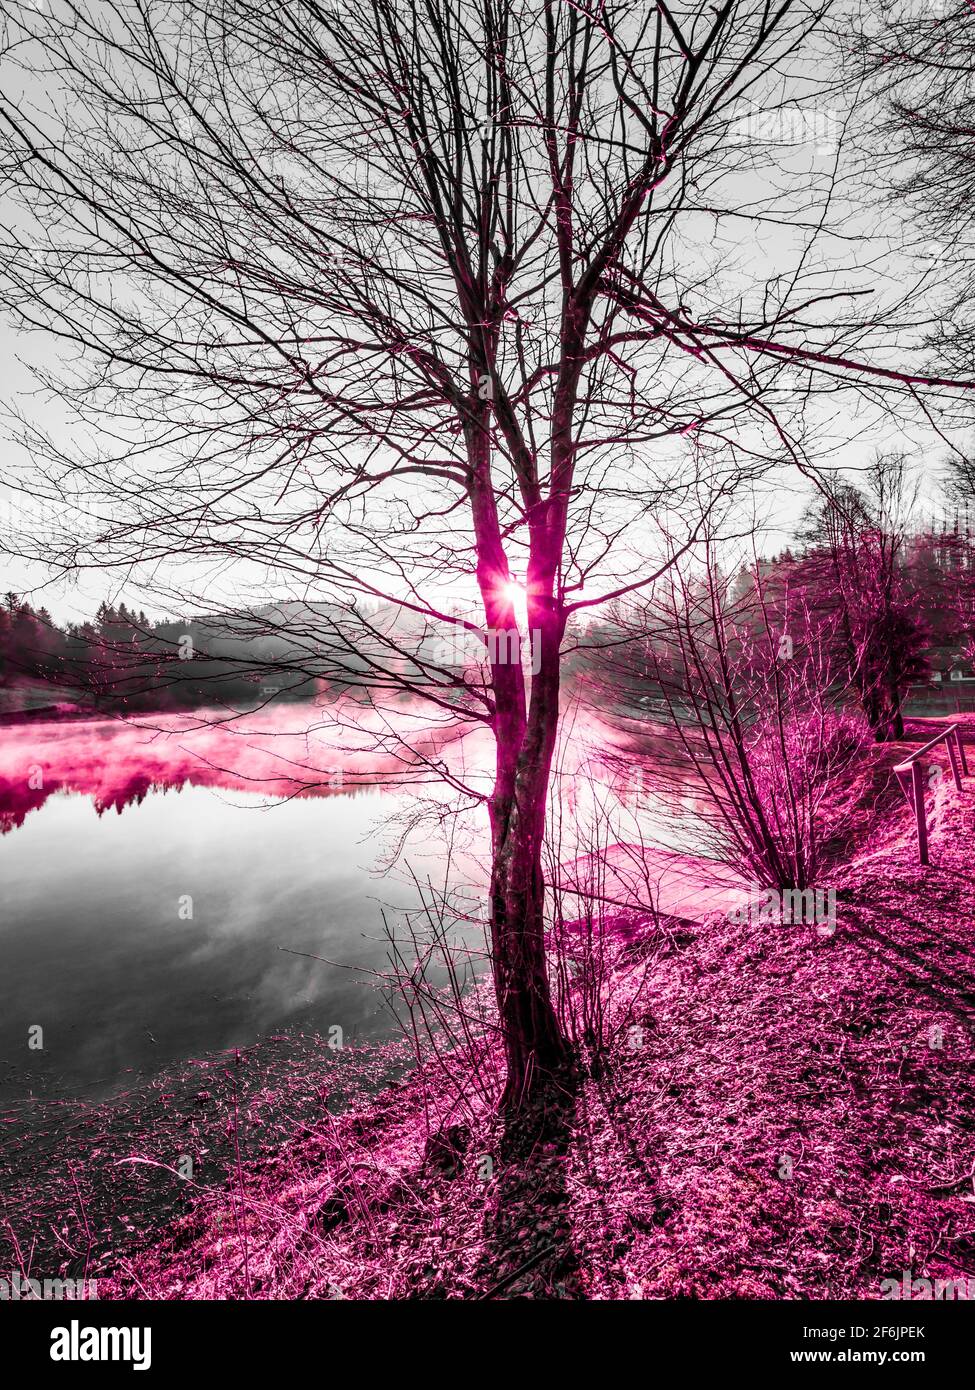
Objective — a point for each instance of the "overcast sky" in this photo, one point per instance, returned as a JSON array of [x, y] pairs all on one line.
[[846, 437]]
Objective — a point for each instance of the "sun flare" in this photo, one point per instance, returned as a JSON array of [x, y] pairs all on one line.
[[514, 592]]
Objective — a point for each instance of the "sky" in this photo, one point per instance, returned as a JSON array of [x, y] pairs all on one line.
[[847, 436]]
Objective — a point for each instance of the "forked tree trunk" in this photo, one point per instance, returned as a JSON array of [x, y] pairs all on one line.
[[524, 731]]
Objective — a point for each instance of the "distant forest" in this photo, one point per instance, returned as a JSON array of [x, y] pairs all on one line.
[[893, 610], [120, 660]]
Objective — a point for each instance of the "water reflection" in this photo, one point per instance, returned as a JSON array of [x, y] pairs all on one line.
[[116, 764], [148, 936], [168, 929]]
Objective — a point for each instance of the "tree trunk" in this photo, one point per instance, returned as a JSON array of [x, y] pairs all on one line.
[[874, 714], [895, 721], [535, 1048], [533, 1042]]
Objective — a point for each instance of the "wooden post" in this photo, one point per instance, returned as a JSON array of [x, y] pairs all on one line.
[[961, 753], [917, 782], [953, 759]]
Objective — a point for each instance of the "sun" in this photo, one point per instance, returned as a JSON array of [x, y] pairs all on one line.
[[514, 592], [517, 595]]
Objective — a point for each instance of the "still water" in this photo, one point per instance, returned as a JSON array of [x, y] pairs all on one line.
[[163, 886], [146, 927]]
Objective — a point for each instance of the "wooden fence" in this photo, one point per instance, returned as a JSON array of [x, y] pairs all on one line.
[[911, 771]]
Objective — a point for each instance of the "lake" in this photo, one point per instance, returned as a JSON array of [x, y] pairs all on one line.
[[145, 919], [157, 877]]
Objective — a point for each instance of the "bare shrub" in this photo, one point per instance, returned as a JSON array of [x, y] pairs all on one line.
[[746, 733]]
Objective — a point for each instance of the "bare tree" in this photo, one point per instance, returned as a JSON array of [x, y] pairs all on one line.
[[374, 303], [916, 63], [743, 680], [953, 589], [854, 574]]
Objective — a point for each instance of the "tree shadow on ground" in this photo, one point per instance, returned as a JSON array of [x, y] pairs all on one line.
[[943, 982], [528, 1238]]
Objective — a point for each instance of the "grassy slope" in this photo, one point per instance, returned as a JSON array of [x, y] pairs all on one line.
[[665, 1176]]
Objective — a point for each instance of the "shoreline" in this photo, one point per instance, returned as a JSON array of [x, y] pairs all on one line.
[[788, 1127]]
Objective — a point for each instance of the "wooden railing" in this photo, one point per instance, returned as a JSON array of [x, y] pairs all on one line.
[[911, 769]]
